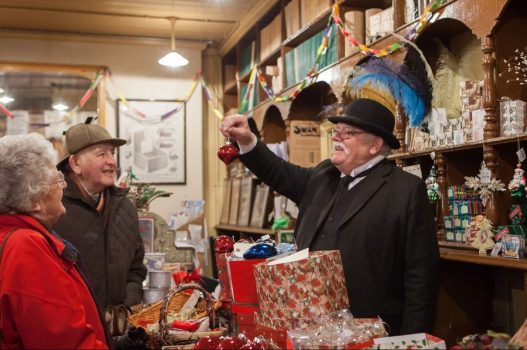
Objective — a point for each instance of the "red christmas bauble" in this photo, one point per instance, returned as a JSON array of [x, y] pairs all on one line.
[[207, 343], [227, 153], [223, 244]]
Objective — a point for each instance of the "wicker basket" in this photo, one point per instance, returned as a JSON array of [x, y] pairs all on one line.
[[172, 303]]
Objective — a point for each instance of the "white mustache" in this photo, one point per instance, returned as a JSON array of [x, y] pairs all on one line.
[[341, 145]]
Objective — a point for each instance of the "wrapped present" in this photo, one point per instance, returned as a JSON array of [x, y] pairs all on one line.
[[457, 235], [512, 117], [245, 322], [242, 282], [517, 214], [295, 292], [277, 335], [466, 207]]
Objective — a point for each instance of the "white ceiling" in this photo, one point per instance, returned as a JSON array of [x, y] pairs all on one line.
[[197, 20]]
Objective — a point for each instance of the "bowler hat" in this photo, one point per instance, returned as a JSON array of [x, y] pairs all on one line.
[[372, 117], [80, 136]]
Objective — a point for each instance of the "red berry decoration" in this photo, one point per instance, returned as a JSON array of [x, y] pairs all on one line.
[[207, 343], [223, 244], [227, 153]]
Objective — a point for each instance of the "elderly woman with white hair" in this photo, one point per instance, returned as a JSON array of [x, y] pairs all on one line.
[[45, 301]]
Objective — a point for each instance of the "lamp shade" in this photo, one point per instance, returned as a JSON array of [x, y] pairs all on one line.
[[173, 59]]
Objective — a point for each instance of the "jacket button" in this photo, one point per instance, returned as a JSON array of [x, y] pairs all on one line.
[[330, 219]]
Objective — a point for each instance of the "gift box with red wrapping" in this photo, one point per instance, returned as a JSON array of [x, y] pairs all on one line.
[[278, 336], [298, 291], [242, 283], [244, 315]]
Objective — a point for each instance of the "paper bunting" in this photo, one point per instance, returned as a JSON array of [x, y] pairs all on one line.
[[421, 23]]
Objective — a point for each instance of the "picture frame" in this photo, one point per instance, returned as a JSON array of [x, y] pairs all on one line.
[[235, 201], [246, 197], [156, 140], [147, 233], [224, 217], [261, 201]]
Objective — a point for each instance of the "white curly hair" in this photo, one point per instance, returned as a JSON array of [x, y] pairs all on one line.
[[27, 167]]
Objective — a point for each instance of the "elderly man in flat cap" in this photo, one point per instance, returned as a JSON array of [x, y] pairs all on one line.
[[101, 221], [358, 202]]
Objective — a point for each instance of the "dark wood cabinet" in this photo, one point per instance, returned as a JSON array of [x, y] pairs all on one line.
[[477, 292]]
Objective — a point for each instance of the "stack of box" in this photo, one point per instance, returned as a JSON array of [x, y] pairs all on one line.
[[464, 205], [378, 23], [471, 94], [512, 236], [244, 297], [449, 131], [512, 117]]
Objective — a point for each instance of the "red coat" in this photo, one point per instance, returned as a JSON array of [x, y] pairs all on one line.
[[44, 301]]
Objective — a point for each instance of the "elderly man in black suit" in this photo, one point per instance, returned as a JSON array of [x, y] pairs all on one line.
[[360, 203]]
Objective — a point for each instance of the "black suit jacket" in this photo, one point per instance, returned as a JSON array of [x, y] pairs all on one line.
[[387, 238]]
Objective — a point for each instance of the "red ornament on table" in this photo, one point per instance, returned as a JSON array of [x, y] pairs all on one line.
[[223, 244], [228, 152]]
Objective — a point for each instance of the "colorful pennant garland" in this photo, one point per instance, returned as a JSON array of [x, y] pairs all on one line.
[[422, 22], [256, 73]]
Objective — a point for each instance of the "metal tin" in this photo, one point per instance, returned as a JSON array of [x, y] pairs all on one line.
[[153, 295], [159, 279]]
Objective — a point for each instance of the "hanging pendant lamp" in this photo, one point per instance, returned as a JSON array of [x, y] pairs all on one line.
[[173, 59]]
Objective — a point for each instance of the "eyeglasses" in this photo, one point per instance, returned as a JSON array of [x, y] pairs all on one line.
[[61, 181], [345, 134]]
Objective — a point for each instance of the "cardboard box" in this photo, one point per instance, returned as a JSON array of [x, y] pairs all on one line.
[[242, 282], [291, 294], [304, 142]]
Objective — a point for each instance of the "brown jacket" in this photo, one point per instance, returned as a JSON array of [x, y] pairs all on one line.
[[111, 249]]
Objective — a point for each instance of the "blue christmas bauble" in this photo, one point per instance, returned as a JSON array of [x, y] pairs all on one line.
[[260, 251]]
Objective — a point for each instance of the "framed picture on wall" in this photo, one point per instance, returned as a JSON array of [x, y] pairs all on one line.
[[146, 230], [235, 201], [155, 133], [260, 206]]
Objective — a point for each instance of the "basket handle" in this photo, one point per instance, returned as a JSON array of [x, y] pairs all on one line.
[[164, 328]]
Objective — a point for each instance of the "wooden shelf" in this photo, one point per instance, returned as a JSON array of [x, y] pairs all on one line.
[[456, 148], [245, 229], [272, 58], [462, 253], [307, 31]]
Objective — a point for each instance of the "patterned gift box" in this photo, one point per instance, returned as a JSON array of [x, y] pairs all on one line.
[[461, 193], [466, 207], [455, 235], [512, 117], [517, 214], [299, 291]]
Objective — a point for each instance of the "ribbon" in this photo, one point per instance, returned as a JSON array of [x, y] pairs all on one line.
[[6, 111], [180, 277]]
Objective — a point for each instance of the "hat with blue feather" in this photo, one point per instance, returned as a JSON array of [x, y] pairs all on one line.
[[389, 83]]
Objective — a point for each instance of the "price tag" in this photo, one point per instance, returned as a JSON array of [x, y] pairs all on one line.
[[414, 169], [485, 176], [521, 155]]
